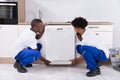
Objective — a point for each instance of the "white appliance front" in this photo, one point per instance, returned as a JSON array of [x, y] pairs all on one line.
[[59, 43]]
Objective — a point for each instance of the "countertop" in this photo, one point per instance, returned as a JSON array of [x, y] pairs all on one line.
[[68, 23]]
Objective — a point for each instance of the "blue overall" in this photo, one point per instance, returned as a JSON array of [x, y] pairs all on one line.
[[91, 55], [27, 56]]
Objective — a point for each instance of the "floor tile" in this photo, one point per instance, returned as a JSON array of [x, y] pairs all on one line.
[[43, 72]]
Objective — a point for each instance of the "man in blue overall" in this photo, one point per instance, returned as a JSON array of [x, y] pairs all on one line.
[[89, 47], [27, 48]]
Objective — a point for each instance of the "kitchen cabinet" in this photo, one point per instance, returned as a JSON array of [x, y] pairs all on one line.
[[104, 32], [8, 35]]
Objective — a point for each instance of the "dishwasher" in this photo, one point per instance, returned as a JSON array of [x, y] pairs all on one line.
[[59, 44]]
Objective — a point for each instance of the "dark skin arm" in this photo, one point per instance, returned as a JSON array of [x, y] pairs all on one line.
[[77, 60], [80, 59], [38, 36], [39, 29], [44, 60]]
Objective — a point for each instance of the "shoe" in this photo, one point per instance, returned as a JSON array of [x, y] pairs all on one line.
[[19, 67], [28, 65], [93, 73]]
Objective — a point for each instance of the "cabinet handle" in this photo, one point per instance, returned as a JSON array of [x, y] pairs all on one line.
[[59, 28], [93, 27], [97, 33]]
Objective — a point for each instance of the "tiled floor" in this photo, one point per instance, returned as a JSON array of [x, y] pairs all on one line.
[[43, 72]]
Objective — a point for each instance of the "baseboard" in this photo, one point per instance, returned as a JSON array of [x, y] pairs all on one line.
[[6, 60], [9, 60]]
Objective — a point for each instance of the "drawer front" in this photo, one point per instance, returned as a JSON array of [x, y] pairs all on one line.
[[105, 37], [105, 28]]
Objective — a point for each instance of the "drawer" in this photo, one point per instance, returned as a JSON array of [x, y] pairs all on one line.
[[59, 28], [105, 37], [105, 28]]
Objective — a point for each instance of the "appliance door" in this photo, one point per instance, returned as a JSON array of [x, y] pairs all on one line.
[[8, 13], [60, 43], [6, 10]]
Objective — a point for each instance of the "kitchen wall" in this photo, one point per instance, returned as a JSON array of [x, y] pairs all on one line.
[[66, 10]]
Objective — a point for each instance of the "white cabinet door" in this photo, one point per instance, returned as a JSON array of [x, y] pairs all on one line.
[[100, 28], [104, 32], [8, 35], [105, 38]]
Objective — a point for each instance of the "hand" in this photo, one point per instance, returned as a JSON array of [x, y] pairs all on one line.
[[44, 60], [77, 60], [74, 62], [47, 62]]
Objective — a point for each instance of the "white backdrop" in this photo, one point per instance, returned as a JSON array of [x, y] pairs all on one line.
[[66, 10]]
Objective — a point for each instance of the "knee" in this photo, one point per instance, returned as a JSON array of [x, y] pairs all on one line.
[[37, 54]]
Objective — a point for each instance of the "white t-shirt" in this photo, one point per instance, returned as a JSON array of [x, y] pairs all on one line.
[[90, 39], [26, 39]]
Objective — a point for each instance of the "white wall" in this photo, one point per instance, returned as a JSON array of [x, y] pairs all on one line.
[[66, 10]]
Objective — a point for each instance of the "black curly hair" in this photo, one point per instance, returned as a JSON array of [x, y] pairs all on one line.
[[79, 22]]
